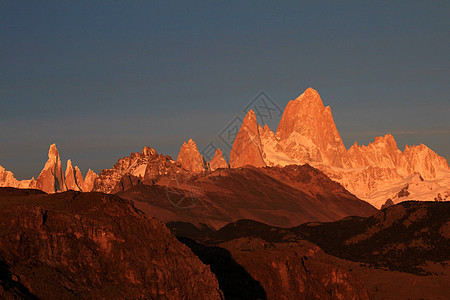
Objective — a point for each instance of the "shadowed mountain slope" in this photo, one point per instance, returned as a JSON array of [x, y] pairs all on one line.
[[92, 245], [399, 253], [279, 196]]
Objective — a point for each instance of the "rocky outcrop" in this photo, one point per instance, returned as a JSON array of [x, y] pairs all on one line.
[[51, 178], [89, 180], [424, 161], [247, 147], [307, 132], [217, 162], [387, 204], [7, 179], [190, 158], [146, 167], [92, 246], [72, 178], [134, 165], [255, 261], [79, 178], [380, 171], [160, 166], [295, 270], [382, 153]]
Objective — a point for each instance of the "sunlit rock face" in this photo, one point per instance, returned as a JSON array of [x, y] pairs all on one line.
[[73, 179], [190, 158], [89, 180], [247, 146], [217, 162], [134, 165], [423, 160], [7, 179], [146, 167], [307, 132], [383, 153], [51, 179], [376, 172]]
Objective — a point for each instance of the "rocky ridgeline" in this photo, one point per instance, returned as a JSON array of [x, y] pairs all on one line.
[[52, 178], [306, 134], [149, 167]]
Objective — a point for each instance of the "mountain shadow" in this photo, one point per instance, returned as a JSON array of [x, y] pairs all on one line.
[[234, 281], [11, 286]]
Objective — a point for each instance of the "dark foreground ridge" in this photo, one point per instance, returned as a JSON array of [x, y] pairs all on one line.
[[75, 245], [362, 258], [402, 237], [92, 245]]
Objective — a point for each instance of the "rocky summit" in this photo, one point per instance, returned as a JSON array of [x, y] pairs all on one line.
[[217, 162], [190, 158]]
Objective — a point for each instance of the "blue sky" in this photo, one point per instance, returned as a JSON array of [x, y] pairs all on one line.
[[105, 79]]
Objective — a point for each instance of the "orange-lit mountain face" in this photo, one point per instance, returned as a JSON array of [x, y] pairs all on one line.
[[378, 173], [375, 173], [353, 258]]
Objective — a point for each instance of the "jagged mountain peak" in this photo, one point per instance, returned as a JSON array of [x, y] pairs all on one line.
[[308, 133], [189, 145], [386, 139], [72, 178], [247, 147], [310, 98], [53, 151], [218, 161], [190, 158], [89, 180], [51, 178], [148, 151], [69, 164], [250, 116]]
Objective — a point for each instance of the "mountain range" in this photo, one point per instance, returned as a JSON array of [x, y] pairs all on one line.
[[378, 173], [375, 173], [52, 178], [293, 215]]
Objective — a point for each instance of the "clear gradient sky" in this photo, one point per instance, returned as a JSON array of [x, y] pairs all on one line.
[[103, 80]]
